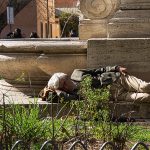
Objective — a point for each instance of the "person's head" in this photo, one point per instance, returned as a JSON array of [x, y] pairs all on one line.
[[62, 82], [9, 35], [17, 30], [73, 33], [17, 33], [33, 35]]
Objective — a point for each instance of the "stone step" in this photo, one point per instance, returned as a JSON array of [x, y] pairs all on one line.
[[47, 109], [131, 14], [28, 82], [27, 89], [132, 27], [136, 110], [25, 95], [135, 4], [140, 113]]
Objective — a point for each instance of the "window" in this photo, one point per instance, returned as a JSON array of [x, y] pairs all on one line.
[[46, 30], [50, 30], [41, 25]]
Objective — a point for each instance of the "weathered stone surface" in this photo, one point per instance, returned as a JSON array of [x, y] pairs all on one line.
[[131, 109], [138, 15], [93, 29], [131, 20], [12, 65], [13, 95], [43, 46], [134, 1], [135, 4], [98, 9], [129, 28], [29, 64], [130, 23], [61, 63], [131, 53]]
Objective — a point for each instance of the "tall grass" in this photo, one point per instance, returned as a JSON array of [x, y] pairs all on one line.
[[24, 124]]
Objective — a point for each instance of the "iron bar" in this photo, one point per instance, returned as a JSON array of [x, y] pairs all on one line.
[[106, 144], [140, 143], [77, 142]]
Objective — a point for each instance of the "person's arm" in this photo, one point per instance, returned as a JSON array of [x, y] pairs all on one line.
[[122, 70], [116, 68], [112, 68], [67, 96], [94, 72], [105, 69], [101, 70]]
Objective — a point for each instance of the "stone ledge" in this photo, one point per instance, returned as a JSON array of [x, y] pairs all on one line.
[[52, 47], [138, 110], [139, 6], [46, 108], [129, 20], [27, 59], [132, 14], [15, 96]]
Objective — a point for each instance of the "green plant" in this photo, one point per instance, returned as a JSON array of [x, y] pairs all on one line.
[[24, 124], [95, 107], [142, 133], [67, 23], [27, 124], [95, 101], [91, 119], [1, 77], [21, 78]]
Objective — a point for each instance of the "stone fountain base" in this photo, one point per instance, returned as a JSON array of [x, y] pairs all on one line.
[[28, 64]]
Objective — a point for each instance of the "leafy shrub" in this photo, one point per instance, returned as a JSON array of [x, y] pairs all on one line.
[[68, 22], [24, 124], [96, 109]]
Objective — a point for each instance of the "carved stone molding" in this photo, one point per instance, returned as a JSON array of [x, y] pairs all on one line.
[[98, 9]]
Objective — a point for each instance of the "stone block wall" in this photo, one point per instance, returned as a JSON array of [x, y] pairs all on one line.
[[114, 19], [133, 53]]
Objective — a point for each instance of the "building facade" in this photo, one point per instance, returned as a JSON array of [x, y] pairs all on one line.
[[65, 3], [47, 23], [32, 16]]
